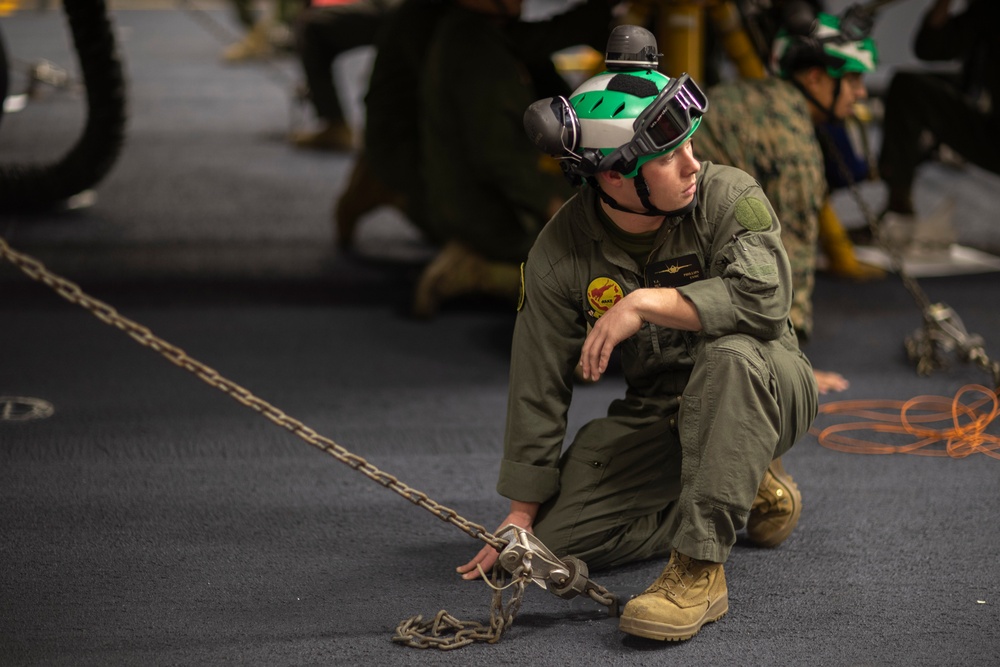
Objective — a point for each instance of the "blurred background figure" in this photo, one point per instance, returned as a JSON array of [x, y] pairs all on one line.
[[267, 31], [323, 31], [768, 127], [387, 170], [444, 138], [488, 193], [925, 111]]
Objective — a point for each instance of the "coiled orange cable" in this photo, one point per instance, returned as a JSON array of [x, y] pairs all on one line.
[[965, 436]]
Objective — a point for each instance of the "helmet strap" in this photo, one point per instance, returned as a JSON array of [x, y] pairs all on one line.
[[642, 189], [830, 116], [610, 201]]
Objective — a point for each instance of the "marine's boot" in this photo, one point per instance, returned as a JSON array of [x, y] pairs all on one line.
[[254, 45], [459, 271], [332, 136], [364, 193], [687, 595], [921, 236], [775, 510], [839, 249]]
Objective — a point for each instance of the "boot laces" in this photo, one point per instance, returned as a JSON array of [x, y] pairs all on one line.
[[674, 575]]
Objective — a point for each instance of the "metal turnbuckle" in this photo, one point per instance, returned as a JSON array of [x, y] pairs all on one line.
[[565, 577], [942, 336]]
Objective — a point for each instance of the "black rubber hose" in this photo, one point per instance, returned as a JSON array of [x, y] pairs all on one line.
[[93, 155]]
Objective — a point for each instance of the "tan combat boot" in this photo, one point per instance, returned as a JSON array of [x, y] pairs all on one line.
[[776, 509], [687, 595], [459, 271], [256, 44], [334, 136]]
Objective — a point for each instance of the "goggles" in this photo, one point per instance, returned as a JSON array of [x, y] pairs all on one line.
[[857, 22], [553, 126], [663, 125], [569, 126]]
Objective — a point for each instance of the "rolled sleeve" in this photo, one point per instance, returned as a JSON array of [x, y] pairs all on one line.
[[527, 483], [749, 288], [715, 310]]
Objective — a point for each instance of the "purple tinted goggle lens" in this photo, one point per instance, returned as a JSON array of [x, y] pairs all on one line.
[[669, 117]]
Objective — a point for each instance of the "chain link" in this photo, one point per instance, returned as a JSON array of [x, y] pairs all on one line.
[[604, 597], [72, 293], [445, 631], [935, 336], [871, 220]]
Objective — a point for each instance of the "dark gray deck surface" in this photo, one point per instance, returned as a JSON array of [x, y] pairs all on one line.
[[152, 520]]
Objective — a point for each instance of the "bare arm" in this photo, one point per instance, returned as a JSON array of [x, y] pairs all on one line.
[[662, 306]]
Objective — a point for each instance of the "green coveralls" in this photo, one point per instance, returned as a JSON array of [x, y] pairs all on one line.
[[763, 127], [648, 477]]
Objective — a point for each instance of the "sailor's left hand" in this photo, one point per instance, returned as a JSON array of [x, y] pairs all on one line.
[[619, 322]]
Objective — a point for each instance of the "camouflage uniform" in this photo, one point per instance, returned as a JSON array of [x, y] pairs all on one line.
[[763, 127]]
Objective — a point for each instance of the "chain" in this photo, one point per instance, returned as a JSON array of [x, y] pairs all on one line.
[[604, 597], [942, 330], [72, 293], [445, 631], [895, 257]]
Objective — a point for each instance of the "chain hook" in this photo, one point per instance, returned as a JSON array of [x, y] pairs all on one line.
[[942, 334], [565, 577]]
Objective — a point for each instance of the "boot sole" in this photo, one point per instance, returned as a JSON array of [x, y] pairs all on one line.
[[672, 633]]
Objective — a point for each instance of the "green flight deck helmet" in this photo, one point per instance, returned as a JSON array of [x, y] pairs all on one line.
[[620, 119], [839, 45]]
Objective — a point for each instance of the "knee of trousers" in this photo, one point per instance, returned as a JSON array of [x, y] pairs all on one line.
[[761, 381], [732, 380]]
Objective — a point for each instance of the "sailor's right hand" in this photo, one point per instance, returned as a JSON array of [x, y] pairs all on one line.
[[522, 517]]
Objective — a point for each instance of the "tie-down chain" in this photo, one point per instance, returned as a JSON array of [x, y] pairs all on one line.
[[524, 559], [942, 333], [522, 555]]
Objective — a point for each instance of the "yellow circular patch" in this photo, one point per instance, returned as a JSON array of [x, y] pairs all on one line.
[[602, 293]]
